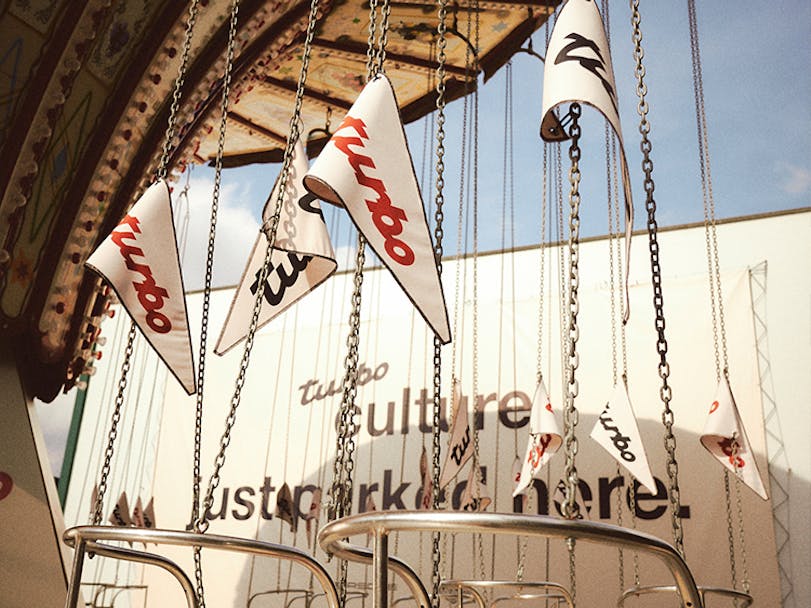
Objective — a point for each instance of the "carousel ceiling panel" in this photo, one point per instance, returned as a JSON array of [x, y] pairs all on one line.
[[85, 97], [338, 68]]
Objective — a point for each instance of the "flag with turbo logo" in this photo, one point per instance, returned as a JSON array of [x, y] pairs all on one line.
[[544, 439], [140, 261], [366, 167], [301, 260], [460, 449]]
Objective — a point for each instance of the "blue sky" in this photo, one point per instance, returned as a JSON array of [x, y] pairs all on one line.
[[757, 83]]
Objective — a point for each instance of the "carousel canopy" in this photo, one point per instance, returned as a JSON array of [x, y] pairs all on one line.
[[86, 95]]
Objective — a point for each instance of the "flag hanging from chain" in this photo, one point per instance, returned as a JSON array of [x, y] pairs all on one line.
[[617, 432], [313, 515], [284, 507], [460, 449], [366, 167], [121, 512], [301, 260], [139, 259], [725, 438], [474, 498], [427, 484], [578, 69], [544, 439]]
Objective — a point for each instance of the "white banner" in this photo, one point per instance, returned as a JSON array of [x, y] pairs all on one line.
[[366, 167], [460, 448], [140, 261], [301, 260]]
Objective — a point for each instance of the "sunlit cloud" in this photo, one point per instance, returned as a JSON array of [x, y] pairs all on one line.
[[795, 179]]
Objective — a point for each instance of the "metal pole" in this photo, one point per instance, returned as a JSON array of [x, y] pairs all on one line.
[[380, 565], [72, 599]]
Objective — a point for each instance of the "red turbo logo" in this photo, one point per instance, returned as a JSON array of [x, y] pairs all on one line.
[[387, 218], [150, 295]]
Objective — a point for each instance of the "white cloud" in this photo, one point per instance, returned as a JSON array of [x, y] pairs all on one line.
[[795, 179], [237, 227]]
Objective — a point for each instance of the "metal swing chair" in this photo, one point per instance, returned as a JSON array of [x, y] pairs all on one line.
[[93, 539]]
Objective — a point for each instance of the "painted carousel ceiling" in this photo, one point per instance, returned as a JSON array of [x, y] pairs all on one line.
[[84, 103]]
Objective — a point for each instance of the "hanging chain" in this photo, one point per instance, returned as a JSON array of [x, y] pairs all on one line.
[[382, 38], [570, 413], [542, 265], [202, 524], [438, 235], [730, 533], [665, 393], [741, 537], [98, 505], [371, 53], [196, 515], [163, 167]]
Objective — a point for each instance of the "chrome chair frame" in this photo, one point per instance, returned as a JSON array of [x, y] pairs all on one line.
[[744, 598], [89, 540], [332, 538], [473, 587]]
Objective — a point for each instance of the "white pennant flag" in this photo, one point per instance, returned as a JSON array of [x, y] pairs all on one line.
[[140, 261], [366, 167], [460, 449], [725, 438], [313, 515], [302, 257], [578, 69], [617, 431], [138, 514], [544, 439], [149, 514], [121, 512], [469, 500]]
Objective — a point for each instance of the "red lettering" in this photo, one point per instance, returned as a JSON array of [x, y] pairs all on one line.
[[730, 449], [713, 407], [151, 296], [387, 218]]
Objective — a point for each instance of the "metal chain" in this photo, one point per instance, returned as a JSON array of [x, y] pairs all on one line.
[[542, 265], [371, 54], [225, 440], [98, 505], [438, 235], [163, 166], [212, 231], [382, 38], [714, 274], [570, 413], [741, 536], [730, 533], [665, 392]]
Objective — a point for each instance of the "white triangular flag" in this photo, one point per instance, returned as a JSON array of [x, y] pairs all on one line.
[[544, 439], [301, 260], [460, 449], [314, 514], [149, 514], [725, 437], [138, 514], [284, 507], [366, 167], [469, 501], [140, 261], [617, 431], [121, 512], [427, 489], [578, 68]]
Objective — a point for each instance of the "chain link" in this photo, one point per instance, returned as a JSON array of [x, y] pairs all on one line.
[[201, 370], [439, 201], [730, 532], [202, 524], [665, 393], [163, 166], [98, 505], [570, 413], [382, 38], [371, 53]]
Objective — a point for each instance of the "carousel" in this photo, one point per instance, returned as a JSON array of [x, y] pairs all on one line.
[[591, 511]]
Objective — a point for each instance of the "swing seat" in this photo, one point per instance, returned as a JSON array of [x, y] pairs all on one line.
[[744, 599], [92, 540], [333, 539], [524, 590]]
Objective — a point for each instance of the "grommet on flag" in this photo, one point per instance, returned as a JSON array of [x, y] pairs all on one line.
[[135, 259], [366, 167]]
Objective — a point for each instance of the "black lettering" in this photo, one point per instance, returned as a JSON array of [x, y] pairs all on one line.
[[593, 65], [297, 265], [305, 388], [266, 491], [395, 498], [388, 429], [365, 492], [604, 491], [643, 496], [306, 203], [298, 492], [223, 507], [238, 499], [504, 412], [406, 403]]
